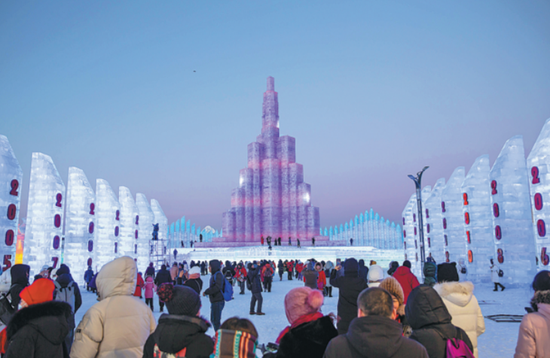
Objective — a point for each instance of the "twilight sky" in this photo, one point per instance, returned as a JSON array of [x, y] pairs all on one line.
[[371, 90]]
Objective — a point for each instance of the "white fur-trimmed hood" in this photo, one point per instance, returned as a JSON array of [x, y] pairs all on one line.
[[459, 293]]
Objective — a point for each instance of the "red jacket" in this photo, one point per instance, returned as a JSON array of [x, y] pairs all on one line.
[[139, 286], [240, 274], [299, 267], [289, 266], [406, 279]]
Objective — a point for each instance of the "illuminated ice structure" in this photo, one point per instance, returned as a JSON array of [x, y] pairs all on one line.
[[11, 177], [44, 214], [129, 223], [410, 234], [452, 218], [512, 219], [433, 225], [272, 198], [79, 225], [146, 219], [538, 164], [107, 212], [162, 220], [478, 222]]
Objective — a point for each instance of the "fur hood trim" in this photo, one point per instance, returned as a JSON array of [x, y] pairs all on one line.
[[28, 314], [541, 297], [459, 293]]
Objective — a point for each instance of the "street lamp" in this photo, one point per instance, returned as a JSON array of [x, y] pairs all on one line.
[[418, 181]]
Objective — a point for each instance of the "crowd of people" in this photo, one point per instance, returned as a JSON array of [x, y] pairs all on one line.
[[380, 313]]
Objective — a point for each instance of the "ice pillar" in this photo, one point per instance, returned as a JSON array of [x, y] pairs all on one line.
[[129, 223], [107, 223], [145, 229], [433, 226]]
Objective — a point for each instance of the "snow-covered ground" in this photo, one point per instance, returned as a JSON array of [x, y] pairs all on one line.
[[499, 339]]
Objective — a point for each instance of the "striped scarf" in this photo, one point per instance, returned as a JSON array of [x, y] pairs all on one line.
[[234, 344]]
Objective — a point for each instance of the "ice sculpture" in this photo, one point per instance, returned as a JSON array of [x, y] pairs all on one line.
[[11, 179], [539, 182], [512, 220], [45, 213], [79, 225], [424, 194], [107, 223], [452, 217], [272, 198], [160, 219], [410, 233], [433, 225], [477, 218], [145, 228], [129, 223]]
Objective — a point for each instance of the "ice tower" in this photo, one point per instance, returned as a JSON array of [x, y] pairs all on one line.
[[410, 233], [452, 217], [129, 223], [145, 224], [272, 198], [107, 209], [433, 226]]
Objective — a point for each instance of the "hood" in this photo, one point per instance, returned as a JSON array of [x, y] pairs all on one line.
[[425, 307], [329, 265], [48, 318], [215, 264], [402, 271], [375, 274], [64, 279], [117, 278], [375, 336], [458, 293], [361, 263], [350, 265], [430, 269], [175, 332], [20, 274], [63, 269]]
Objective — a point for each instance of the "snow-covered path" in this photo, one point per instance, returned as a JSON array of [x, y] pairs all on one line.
[[499, 339]]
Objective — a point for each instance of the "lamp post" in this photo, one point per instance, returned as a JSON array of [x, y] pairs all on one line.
[[418, 182]]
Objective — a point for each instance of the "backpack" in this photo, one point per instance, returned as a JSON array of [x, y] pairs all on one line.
[[227, 290], [65, 294], [157, 353], [463, 270], [6, 309], [268, 271], [456, 347], [500, 273]]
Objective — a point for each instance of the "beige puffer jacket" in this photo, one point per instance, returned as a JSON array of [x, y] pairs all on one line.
[[118, 325], [535, 329], [463, 306]]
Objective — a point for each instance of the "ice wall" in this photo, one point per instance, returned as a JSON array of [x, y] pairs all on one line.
[[452, 217], [512, 220], [79, 225], [433, 224], [146, 219], [162, 220], [478, 222], [107, 223], [45, 213], [538, 164], [11, 180], [129, 223], [410, 233]]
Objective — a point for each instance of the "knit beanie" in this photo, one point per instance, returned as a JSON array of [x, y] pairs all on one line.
[[180, 300], [301, 301], [351, 265], [407, 263], [376, 273], [40, 291], [63, 269], [446, 272], [393, 286]]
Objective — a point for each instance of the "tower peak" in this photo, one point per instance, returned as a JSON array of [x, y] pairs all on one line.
[[270, 84]]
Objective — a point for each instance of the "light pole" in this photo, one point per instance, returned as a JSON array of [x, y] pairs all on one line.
[[418, 182]]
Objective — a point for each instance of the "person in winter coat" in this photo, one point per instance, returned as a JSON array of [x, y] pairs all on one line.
[[350, 286], [240, 276], [150, 271], [174, 272], [431, 322], [375, 333], [19, 280], [64, 284], [163, 276], [299, 269], [393, 266], [460, 301], [322, 278], [534, 329], [310, 275], [406, 278], [5, 284], [281, 269], [120, 323], [329, 266], [430, 271], [462, 270], [236, 338], [150, 288], [495, 269], [215, 294], [194, 281], [40, 327], [139, 285], [88, 275], [290, 268], [267, 273], [309, 331], [256, 289], [181, 332], [375, 276], [363, 270]]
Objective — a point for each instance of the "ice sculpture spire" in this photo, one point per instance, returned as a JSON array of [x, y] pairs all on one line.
[[270, 116]]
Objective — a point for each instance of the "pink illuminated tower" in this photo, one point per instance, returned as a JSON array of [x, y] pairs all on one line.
[[272, 198]]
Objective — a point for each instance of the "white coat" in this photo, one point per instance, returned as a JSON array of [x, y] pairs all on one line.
[[463, 306], [494, 273], [118, 325]]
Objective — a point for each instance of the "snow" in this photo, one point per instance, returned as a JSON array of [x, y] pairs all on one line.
[[499, 339]]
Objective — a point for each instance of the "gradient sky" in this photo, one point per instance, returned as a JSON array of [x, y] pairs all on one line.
[[371, 90]]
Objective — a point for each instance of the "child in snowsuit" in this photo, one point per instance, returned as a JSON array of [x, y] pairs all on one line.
[[150, 289]]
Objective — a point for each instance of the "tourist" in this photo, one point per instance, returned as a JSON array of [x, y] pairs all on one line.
[[163, 276], [430, 272], [299, 268], [495, 276], [267, 274], [321, 278], [19, 280], [281, 269], [350, 285], [67, 290], [236, 338], [375, 333], [462, 270], [240, 275], [40, 327], [279, 241], [182, 274], [391, 285], [534, 329], [139, 285], [290, 269], [309, 331], [375, 276], [150, 271], [105, 328], [203, 268], [431, 322], [406, 278], [329, 266], [181, 332], [310, 275], [88, 277], [312, 241], [194, 281], [393, 266], [149, 288], [351, 241], [253, 278], [262, 240], [174, 272], [460, 301], [363, 270], [289, 241], [298, 243], [215, 293]]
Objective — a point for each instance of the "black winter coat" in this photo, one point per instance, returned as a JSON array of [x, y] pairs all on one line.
[[195, 283], [39, 331], [163, 276], [175, 333], [310, 278], [374, 337], [254, 279], [431, 322], [19, 280], [350, 286], [214, 291], [308, 340]]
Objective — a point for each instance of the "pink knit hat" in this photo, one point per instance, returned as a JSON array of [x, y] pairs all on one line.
[[301, 301]]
